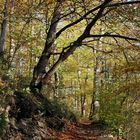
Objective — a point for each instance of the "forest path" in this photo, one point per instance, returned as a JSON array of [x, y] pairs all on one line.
[[83, 130]]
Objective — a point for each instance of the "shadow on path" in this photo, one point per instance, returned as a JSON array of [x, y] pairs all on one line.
[[84, 130]]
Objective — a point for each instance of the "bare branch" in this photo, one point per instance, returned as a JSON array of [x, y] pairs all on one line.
[[123, 3], [72, 47], [93, 10], [80, 19], [92, 47], [125, 56], [115, 36], [63, 16]]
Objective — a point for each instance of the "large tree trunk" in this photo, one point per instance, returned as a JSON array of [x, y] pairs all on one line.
[[40, 68], [40, 75], [4, 26]]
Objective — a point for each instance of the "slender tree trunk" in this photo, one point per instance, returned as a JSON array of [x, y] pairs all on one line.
[[56, 85], [11, 31], [95, 97], [75, 95], [97, 81], [4, 26], [56, 79], [82, 94], [83, 98]]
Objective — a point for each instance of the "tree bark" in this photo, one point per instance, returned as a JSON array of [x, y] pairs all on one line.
[[4, 26], [40, 68], [83, 98], [95, 96]]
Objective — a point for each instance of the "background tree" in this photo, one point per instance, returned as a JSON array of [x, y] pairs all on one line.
[[3, 25]]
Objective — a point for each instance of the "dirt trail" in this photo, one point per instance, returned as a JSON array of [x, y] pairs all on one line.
[[84, 130]]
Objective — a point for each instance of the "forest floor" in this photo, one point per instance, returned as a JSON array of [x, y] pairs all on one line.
[[23, 121], [83, 130]]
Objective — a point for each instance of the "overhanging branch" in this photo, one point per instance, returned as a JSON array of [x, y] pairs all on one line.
[[123, 3], [114, 36], [98, 50], [93, 10], [78, 20]]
